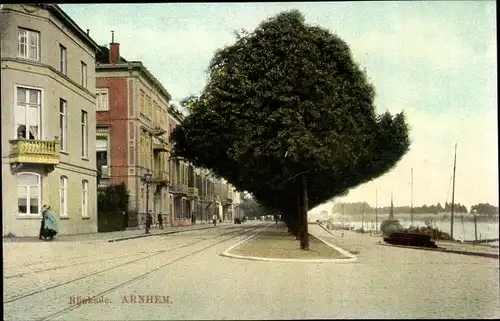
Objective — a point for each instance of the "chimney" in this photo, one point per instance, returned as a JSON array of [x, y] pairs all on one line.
[[114, 50], [88, 32]]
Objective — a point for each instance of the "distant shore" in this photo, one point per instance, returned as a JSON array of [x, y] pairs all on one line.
[[416, 216]]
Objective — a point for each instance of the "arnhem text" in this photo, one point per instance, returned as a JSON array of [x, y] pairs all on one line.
[[158, 299]]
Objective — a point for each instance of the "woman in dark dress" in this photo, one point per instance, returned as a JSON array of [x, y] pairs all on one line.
[[50, 227], [42, 225]]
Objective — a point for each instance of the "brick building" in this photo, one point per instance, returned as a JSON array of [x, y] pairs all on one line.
[[134, 121]]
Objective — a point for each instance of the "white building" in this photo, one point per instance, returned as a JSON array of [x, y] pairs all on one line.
[[48, 120]]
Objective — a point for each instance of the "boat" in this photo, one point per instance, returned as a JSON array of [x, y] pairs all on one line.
[[394, 233], [411, 239]]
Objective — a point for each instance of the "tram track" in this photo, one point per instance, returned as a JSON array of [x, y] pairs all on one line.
[[87, 256], [88, 262], [141, 259], [149, 272], [80, 263]]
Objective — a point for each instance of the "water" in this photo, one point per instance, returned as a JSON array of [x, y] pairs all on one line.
[[465, 231]]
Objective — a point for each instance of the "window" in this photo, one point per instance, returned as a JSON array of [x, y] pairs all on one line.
[[85, 135], [102, 101], [85, 198], [63, 210], [84, 75], [102, 154], [163, 119], [148, 107], [28, 113], [142, 149], [28, 44], [63, 60], [28, 194], [181, 173], [157, 114], [142, 106], [63, 122]]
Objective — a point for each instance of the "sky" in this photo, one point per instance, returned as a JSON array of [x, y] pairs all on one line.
[[436, 61]]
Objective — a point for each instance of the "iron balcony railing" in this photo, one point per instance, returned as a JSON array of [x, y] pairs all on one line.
[[161, 147], [161, 177], [179, 189], [192, 192]]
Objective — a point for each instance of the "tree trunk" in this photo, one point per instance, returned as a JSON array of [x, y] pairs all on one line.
[[296, 220], [304, 235], [292, 223]]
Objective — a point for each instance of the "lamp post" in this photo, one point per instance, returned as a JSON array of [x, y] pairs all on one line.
[[148, 179]]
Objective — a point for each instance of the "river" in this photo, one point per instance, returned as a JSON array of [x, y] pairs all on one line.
[[465, 230]]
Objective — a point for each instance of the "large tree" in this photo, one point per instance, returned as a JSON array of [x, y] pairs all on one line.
[[289, 116]]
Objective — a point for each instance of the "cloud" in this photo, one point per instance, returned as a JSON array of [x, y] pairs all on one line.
[[437, 61], [416, 41], [431, 157]]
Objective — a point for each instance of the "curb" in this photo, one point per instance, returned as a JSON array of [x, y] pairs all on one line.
[[326, 229], [445, 250], [156, 234], [336, 235], [351, 258]]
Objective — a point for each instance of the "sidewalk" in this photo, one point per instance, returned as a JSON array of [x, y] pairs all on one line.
[[274, 243], [117, 235]]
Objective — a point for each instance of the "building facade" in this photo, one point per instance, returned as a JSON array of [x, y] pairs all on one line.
[[47, 88], [134, 122], [184, 194]]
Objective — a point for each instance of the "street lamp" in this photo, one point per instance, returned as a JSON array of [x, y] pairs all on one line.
[[148, 179]]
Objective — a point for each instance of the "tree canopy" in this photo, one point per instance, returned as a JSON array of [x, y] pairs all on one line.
[[284, 102]]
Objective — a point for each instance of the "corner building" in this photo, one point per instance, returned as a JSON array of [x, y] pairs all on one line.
[[48, 120]]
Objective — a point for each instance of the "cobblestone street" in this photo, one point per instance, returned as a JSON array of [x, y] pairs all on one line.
[[182, 276]]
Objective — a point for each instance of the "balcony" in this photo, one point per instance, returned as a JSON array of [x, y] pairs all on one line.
[[161, 178], [158, 131], [28, 151], [161, 147], [192, 192], [179, 189]]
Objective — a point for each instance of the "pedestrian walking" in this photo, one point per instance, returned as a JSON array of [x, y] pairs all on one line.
[[50, 228], [193, 218], [214, 220], [149, 221], [160, 221]]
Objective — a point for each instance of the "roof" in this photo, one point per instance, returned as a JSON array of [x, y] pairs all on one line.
[[68, 22], [103, 56], [176, 113], [137, 66]]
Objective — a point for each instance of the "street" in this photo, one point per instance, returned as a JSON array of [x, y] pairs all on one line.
[[182, 276]]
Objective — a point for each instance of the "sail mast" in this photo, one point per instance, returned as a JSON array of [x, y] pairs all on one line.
[[376, 210], [391, 213], [343, 215], [363, 218], [453, 191], [411, 201]]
